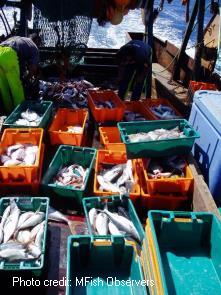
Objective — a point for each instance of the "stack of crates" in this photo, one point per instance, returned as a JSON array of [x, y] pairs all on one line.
[[170, 193], [25, 179]]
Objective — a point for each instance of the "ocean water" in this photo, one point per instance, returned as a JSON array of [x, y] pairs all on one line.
[[170, 25]]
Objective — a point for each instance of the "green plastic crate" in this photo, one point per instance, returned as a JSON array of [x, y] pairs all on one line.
[[157, 148], [188, 250], [112, 203], [103, 266], [68, 155], [27, 204], [43, 108]]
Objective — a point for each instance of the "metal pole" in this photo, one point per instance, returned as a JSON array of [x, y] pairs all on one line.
[[149, 31], [176, 69], [23, 27], [200, 37]]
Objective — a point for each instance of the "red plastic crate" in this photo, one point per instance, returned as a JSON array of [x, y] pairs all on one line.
[[195, 86], [105, 114], [113, 157], [148, 103], [64, 118]]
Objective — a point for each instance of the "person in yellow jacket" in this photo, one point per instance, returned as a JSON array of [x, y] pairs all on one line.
[[17, 54]]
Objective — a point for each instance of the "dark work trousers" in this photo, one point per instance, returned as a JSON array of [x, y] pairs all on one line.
[[126, 74]]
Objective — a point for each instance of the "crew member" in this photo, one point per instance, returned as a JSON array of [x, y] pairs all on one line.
[[17, 56], [133, 60]]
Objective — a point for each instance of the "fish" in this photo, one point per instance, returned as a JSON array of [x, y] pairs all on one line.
[[157, 134], [133, 116], [118, 179], [32, 220], [102, 104], [73, 175], [122, 212], [12, 244], [75, 129], [55, 215], [11, 222], [71, 93], [23, 217], [15, 254], [36, 229], [113, 229], [28, 118], [1, 233], [123, 224], [39, 237], [5, 215], [34, 250], [19, 154], [92, 218], [164, 112], [166, 167], [23, 236], [102, 224]]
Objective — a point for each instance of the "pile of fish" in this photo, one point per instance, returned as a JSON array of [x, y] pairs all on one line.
[[104, 222], [73, 175], [19, 155], [164, 112], [73, 93], [158, 134], [104, 104], [133, 116], [116, 178], [21, 234], [168, 167], [75, 129], [29, 118]]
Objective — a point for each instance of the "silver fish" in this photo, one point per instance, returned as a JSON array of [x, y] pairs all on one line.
[[34, 250], [1, 233], [5, 215], [102, 224], [113, 229], [33, 220], [123, 224], [164, 112], [39, 237], [36, 229], [23, 236], [92, 218], [12, 221], [23, 217], [55, 215], [13, 148], [15, 254], [30, 116], [12, 244], [107, 185]]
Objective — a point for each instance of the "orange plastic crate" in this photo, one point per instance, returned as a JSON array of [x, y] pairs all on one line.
[[23, 186], [148, 103], [162, 202], [180, 185], [23, 136], [110, 138], [105, 114], [64, 118], [113, 157], [138, 107]]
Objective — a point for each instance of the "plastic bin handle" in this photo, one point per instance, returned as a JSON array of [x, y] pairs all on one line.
[[189, 216]]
